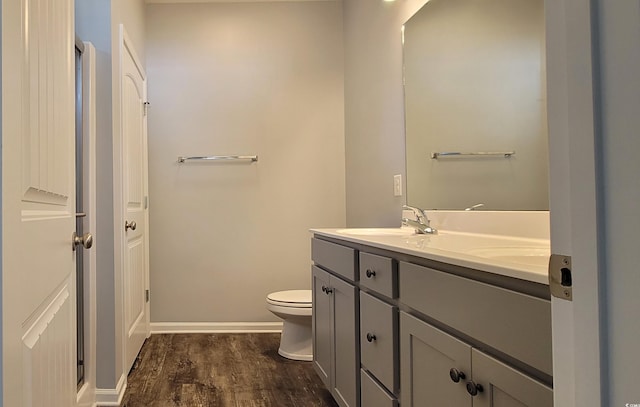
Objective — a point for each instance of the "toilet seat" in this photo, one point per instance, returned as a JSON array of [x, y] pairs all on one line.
[[291, 298]]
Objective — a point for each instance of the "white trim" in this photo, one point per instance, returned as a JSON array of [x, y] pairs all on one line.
[[215, 327], [86, 395], [112, 397], [575, 220]]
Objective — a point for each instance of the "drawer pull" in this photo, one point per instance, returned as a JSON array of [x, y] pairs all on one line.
[[371, 337], [456, 375], [473, 388], [327, 290], [370, 273]]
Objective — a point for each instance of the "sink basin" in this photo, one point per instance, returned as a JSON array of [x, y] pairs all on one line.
[[532, 255], [376, 231]]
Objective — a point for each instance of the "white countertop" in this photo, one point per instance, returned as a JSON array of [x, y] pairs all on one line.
[[518, 257]]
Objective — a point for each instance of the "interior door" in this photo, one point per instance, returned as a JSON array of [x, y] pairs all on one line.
[[134, 193], [38, 193]]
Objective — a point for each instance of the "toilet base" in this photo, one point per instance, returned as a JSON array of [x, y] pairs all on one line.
[[295, 341]]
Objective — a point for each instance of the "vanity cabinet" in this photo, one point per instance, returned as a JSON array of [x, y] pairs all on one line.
[[441, 370], [335, 322], [394, 329]]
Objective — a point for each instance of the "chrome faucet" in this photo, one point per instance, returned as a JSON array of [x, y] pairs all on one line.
[[474, 207], [422, 224]]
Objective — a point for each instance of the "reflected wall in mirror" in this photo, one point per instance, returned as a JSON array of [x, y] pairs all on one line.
[[475, 82]]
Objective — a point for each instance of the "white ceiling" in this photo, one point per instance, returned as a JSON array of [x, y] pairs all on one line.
[[223, 1]]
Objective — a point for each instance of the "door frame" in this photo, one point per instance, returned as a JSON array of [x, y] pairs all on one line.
[[575, 212], [126, 45], [86, 394]]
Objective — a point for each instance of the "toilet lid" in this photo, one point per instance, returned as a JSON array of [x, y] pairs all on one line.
[[299, 298]]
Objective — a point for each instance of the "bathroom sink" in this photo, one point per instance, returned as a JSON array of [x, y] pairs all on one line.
[[530, 255], [376, 231]]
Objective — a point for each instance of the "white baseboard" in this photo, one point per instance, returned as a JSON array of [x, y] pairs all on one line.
[[112, 397], [215, 327]]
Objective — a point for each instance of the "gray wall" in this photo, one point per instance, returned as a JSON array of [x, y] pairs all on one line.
[[261, 78], [619, 63], [374, 114], [97, 21]]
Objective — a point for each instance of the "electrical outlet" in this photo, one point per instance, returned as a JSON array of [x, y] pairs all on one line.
[[397, 185]]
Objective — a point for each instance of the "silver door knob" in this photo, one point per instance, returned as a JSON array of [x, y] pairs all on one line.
[[86, 241], [129, 225]]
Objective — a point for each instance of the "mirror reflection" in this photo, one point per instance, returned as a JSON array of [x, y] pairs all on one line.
[[475, 84]]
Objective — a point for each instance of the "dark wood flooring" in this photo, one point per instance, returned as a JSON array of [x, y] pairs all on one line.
[[221, 370]]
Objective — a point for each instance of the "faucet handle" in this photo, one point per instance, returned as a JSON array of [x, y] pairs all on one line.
[[420, 215]]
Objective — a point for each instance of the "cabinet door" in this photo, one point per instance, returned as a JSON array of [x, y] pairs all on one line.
[[346, 351], [427, 357], [505, 387], [322, 325]]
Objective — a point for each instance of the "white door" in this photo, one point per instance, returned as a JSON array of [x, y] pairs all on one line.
[[38, 193], [575, 229], [135, 251]]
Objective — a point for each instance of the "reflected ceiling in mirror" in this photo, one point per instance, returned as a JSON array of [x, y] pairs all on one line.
[[475, 83]]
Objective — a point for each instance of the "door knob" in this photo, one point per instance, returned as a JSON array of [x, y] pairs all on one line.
[[85, 240], [129, 225], [473, 388], [456, 375]]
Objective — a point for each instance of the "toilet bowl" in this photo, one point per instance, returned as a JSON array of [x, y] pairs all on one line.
[[294, 308]]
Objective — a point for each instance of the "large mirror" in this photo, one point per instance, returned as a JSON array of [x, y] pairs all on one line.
[[475, 84]]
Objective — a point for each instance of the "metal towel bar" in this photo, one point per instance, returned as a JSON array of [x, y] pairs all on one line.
[[505, 154], [253, 158]]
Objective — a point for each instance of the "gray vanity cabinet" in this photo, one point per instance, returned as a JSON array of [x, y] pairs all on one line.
[[440, 368], [335, 325]]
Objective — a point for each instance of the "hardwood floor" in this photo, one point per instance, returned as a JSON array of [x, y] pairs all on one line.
[[221, 370]]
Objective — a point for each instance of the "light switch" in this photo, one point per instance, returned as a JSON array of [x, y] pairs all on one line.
[[397, 185]]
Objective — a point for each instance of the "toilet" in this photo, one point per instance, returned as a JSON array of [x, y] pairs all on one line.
[[294, 308]]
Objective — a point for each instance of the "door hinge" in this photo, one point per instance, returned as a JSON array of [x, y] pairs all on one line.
[[146, 107], [146, 202], [146, 295], [560, 278]]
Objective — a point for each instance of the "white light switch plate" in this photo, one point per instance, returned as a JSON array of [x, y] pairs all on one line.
[[397, 185]]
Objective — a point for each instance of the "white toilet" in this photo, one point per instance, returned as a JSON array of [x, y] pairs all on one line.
[[294, 307]]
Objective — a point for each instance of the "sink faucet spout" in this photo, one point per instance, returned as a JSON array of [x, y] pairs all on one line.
[[422, 224]]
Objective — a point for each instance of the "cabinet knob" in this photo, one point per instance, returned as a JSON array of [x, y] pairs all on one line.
[[371, 337], [456, 375], [370, 273], [473, 388], [327, 290]]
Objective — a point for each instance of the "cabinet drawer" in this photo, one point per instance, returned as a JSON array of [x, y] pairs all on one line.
[[339, 259], [379, 340], [379, 274], [373, 395], [517, 324]]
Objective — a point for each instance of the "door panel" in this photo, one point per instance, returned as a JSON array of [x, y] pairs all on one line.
[[134, 182], [346, 360], [505, 386], [321, 325], [426, 357], [38, 192]]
